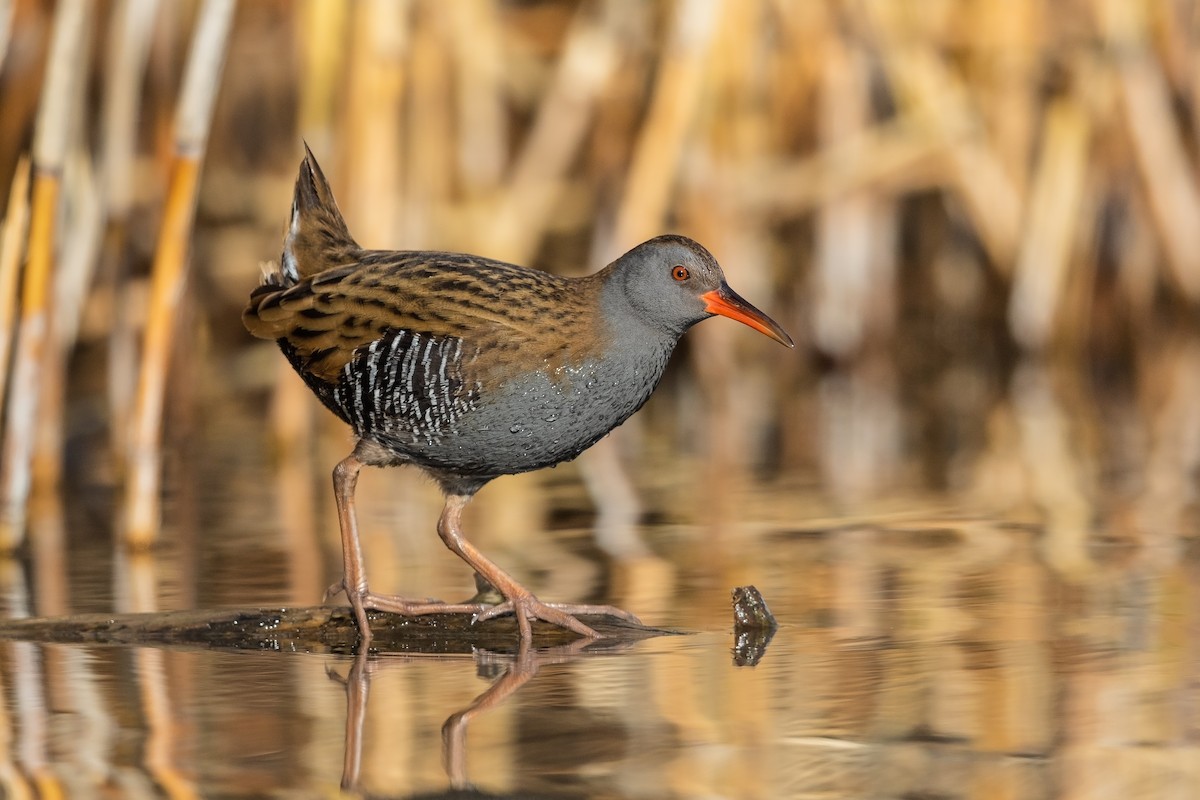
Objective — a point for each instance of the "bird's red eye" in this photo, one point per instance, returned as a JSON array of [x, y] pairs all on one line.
[[680, 273]]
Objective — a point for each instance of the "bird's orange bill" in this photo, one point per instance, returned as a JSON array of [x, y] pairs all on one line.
[[728, 303]]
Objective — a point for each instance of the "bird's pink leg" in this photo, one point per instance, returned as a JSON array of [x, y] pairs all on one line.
[[354, 574], [518, 600]]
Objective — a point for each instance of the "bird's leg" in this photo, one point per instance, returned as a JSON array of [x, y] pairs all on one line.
[[518, 600], [354, 574]]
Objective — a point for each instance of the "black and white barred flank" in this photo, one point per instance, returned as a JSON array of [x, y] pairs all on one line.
[[405, 386]]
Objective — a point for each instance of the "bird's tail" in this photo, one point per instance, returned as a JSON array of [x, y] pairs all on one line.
[[317, 238]]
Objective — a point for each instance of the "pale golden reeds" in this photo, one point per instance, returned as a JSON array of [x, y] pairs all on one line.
[[16, 223], [129, 34], [796, 138], [36, 367], [169, 272]]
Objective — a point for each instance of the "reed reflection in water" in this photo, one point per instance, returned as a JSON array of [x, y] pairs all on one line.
[[946, 654], [1044, 648], [936, 655]]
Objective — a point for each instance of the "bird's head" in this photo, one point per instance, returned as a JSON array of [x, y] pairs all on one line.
[[672, 282]]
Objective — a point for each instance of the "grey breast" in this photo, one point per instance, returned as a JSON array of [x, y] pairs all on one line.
[[407, 392]]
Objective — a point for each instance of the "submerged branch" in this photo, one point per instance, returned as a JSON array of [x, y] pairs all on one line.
[[316, 628]]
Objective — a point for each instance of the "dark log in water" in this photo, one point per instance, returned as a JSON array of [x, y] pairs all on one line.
[[314, 629]]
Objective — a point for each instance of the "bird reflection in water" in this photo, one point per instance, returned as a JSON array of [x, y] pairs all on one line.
[[514, 671]]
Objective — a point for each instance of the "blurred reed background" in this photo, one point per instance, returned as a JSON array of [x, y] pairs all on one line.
[[981, 218]]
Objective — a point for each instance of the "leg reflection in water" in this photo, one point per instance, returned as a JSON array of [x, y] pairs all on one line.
[[518, 669]]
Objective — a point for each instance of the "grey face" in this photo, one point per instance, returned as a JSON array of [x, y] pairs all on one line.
[[665, 280], [670, 283]]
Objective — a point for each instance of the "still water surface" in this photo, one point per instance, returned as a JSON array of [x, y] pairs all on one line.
[[922, 654], [918, 657]]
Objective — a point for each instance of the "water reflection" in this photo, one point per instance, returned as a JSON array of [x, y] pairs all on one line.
[[1044, 649], [1005, 607], [508, 674], [917, 656]]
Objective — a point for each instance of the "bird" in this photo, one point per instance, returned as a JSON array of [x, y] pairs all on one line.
[[470, 368]]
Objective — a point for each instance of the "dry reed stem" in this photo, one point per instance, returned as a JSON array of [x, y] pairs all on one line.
[[30, 374], [377, 76], [11, 249], [80, 251], [990, 196], [323, 32], [169, 271], [168, 275], [539, 171], [65, 70], [1054, 204], [482, 141], [130, 28], [202, 77], [1167, 173], [70, 282], [669, 120], [7, 7], [429, 151], [29, 469], [130, 31], [1007, 91], [847, 257], [890, 158], [28, 357]]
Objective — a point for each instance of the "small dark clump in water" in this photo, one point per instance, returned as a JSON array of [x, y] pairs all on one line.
[[753, 626], [750, 609]]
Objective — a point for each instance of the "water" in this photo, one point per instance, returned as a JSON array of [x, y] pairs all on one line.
[[930, 656], [924, 651]]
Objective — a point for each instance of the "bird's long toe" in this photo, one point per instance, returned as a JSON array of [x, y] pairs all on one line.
[[414, 608], [527, 608], [364, 600], [599, 611]]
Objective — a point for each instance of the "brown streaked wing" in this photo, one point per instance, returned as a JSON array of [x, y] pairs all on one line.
[[497, 309]]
